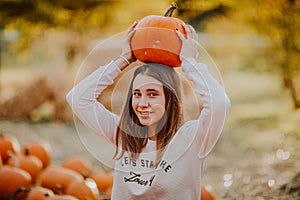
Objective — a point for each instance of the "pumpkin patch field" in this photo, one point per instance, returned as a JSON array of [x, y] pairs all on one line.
[[33, 171], [28, 172], [256, 157], [48, 154]]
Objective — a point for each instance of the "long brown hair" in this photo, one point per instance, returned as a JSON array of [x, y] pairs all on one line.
[[131, 134]]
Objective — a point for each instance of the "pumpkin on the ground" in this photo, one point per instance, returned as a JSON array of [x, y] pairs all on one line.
[[205, 194], [1, 163], [39, 193], [103, 179], [8, 143], [11, 179], [107, 193], [58, 178], [83, 189], [78, 164], [155, 39], [29, 163], [62, 197], [40, 149]]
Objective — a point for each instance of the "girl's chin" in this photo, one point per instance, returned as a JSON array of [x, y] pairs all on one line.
[[145, 122]]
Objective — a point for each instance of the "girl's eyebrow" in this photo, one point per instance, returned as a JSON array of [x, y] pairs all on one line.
[[151, 90], [148, 90]]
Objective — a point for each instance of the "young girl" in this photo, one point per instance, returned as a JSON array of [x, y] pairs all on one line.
[[158, 156]]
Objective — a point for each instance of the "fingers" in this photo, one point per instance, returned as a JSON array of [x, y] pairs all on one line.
[[188, 30], [133, 25], [189, 46], [191, 33], [130, 34], [131, 30], [180, 35]]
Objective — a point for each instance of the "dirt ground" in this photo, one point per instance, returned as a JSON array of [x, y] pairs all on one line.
[[257, 154]]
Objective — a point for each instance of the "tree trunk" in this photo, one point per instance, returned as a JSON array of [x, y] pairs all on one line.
[[295, 94], [288, 46], [289, 82]]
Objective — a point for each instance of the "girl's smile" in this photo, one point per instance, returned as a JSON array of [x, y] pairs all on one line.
[[144, 114]]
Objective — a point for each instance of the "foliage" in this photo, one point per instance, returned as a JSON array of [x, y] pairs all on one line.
[[278, 19], [198, 13], [275, 19], [79, 21], [31, 19]]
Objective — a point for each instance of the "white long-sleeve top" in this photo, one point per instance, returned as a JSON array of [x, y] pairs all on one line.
[[178, 175]]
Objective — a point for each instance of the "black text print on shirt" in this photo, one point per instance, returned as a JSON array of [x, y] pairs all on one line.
[[136, 178]]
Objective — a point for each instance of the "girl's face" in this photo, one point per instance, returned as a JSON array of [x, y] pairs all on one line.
[[148, 100]]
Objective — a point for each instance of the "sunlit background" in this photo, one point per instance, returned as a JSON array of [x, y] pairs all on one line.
[[255, 45]]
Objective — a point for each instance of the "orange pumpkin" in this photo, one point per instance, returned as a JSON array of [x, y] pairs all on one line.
[[58, 178], [1, 163], [29, 163], [40, 149], [12, 179], [83, 189], [104, 180], [107, 193], [205, 194], [78, 164], [39, 193], [155, 39], [62, 197], [8, 143], [20, 194]]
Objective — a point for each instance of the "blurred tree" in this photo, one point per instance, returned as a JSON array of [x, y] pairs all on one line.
[[30, 18], [11, 10], [198, 13], [31, 30], [78, 18], [279, 19]]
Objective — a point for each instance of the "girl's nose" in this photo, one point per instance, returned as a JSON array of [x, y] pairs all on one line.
[[144, 102]]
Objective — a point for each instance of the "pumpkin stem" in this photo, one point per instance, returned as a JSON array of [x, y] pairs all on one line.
[[26, 151], [21, 190], [171, 10]]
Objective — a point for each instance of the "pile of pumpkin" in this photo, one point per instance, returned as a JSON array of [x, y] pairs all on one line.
[[26, 173]]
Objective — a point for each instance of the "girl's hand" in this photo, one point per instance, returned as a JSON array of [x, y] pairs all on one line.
[[189, 48], [126, 48]]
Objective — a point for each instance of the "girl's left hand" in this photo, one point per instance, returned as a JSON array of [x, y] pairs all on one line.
[[189, 46]]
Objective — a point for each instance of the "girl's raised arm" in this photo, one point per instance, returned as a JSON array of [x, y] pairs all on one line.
[[83, 101], [83, 97], [216, 103]]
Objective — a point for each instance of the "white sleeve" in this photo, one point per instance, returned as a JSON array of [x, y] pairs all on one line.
[[216, 105], [83, 100]]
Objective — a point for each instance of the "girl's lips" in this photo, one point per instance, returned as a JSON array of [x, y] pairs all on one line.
[[144, 114]]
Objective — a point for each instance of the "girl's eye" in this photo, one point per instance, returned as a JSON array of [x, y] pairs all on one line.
[[136, 94], [153, 94]]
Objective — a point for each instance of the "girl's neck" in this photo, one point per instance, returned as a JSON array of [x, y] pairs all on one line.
[[152, 133]]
